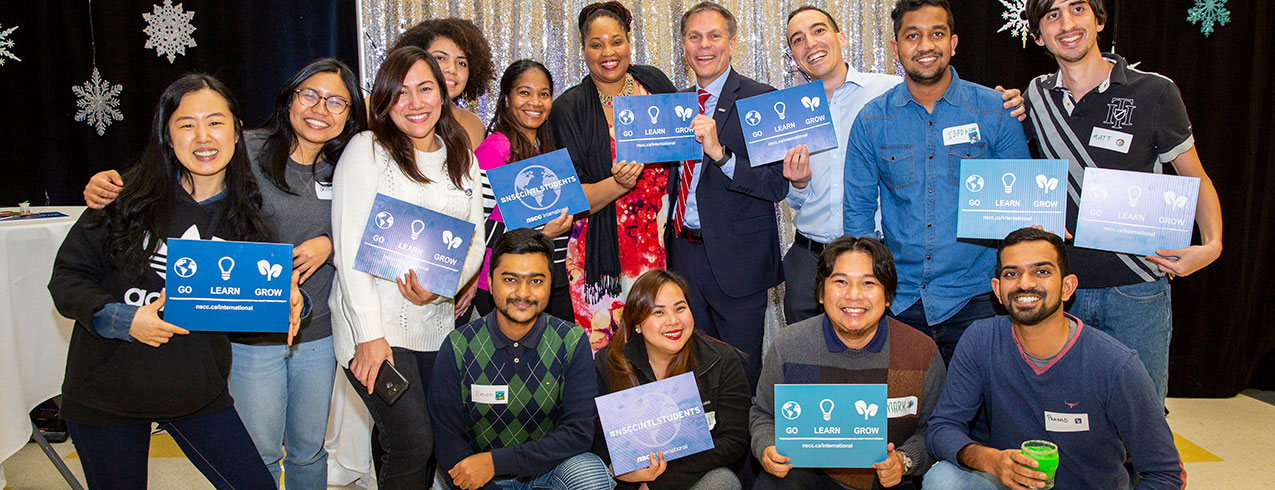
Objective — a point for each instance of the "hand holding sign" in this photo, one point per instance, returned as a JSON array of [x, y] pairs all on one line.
[[647, 474], [296, 302], [705, 129]]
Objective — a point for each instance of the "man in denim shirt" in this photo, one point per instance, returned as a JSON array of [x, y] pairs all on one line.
[[906, 146]]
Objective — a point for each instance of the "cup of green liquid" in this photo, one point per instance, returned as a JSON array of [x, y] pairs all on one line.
[[1046, 455]]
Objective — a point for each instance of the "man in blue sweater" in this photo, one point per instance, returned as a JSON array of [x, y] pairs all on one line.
[[512, 395], [1042, 374]]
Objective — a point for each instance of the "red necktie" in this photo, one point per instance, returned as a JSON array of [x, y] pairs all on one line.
[[684, 182]]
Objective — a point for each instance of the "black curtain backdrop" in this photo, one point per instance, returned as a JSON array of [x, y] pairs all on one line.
[[1221, 343], [252, 46]]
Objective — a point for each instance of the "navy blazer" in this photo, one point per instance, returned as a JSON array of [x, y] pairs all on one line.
[[737, 216]]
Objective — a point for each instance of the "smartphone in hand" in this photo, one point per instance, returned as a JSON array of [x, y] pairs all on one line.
[[390, 384]]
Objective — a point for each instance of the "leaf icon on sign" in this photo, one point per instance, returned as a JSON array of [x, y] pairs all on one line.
[[814, 103], [805, 101], [268, 270], [865, 409], [1048, 184], [682, 112], [450, 240], [1173, 200]]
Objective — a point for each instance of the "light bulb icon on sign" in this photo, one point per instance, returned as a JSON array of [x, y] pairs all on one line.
[[654, 112], [779, 109], [417, 227], [1135, 193], [1008, 180], [226, 264], [826, 406]]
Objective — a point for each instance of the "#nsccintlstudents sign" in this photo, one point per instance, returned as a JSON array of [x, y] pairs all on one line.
[[534, 191]]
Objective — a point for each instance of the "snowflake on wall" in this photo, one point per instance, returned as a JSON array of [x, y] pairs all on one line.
[[169, 30], [6, 44], [98, 103], [1015, 22], [1207, 13]]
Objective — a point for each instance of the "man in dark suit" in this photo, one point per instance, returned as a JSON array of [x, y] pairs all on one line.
[[723, 235]]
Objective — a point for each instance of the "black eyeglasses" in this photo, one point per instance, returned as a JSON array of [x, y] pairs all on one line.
[[310, 98]]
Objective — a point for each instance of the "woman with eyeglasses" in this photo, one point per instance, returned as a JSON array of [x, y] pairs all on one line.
[[622, 238], [283, 393]]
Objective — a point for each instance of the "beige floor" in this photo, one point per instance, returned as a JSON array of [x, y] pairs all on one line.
[[1224, 443]]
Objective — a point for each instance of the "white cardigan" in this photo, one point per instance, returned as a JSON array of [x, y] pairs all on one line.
[[365, 307]]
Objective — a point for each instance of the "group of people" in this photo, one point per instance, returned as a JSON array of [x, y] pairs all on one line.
[[878, 288]]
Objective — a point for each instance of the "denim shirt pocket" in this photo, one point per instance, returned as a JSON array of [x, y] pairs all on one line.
[[956, 153], [898, 169]]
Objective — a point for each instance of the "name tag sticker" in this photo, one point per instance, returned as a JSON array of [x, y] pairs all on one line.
[[712, 419], [489, 394], [1110, 140], [899, 407], [959, 135], [323, 190], [1066, 422]]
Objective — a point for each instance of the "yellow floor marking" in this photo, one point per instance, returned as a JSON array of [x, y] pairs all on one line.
[[1192, 453]]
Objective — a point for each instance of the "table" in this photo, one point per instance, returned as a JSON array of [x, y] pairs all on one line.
[[33, 336]]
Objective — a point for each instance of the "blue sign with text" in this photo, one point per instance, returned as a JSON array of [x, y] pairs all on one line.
[[1000, 196], [1135, 212], [666, 415], [655, 128], [400, 235], [220, 286], [775, 122], [831, 425], [534, 191]]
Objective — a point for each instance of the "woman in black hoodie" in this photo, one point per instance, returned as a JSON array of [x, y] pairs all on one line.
[[127, 367]]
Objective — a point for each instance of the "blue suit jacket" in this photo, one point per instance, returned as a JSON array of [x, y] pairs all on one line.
[[737, 216]]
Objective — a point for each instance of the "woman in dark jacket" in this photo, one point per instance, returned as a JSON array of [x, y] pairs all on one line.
[[657, 340]]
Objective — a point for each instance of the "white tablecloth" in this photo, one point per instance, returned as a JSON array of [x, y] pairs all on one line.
[[33, 336]]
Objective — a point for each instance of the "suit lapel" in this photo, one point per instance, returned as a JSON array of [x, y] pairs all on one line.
[[726, 102]]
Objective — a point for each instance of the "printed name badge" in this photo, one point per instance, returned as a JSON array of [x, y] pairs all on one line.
[[666, 415], [489, 394], [831, 425], [220, 286], [959, 135], [1066, 422], [534, 191], [656, 128], [999, 196], [901, 407], [323, 190], [775, 122], [1111, 140], [400, 236], [1135, 212]]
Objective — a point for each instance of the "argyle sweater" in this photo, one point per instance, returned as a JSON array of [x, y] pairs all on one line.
[[543, 415]]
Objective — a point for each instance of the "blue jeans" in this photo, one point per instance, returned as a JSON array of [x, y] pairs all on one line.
[[115, 457], [947, 476], [948, 332], [283, 395], [1140, 316], [405, 432], [583, 471]]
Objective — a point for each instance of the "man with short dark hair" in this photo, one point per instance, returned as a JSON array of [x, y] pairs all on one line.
[[512, 396], [1098, 112], [905, 151], [852, 342], [1041, 374]]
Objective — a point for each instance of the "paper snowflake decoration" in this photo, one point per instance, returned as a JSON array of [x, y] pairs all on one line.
[[1015, 22], [169, 30], [1207, 13], [98, 103], [6, 44]]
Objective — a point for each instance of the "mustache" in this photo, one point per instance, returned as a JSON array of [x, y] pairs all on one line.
[[529, 302], [932, 52], [1025, 292]]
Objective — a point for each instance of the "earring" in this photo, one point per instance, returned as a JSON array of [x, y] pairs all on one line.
[[637, 330]]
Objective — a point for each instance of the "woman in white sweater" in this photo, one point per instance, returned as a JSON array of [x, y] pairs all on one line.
[[415, 151]]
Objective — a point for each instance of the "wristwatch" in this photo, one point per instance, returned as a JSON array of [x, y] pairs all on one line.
[[726, 154], [907, 461]]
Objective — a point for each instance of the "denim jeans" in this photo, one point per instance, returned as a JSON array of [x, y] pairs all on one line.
[[405, 431], [583, 471], [283, 395], [948, 332], [1140, 316], [115, 457], [947, 476]]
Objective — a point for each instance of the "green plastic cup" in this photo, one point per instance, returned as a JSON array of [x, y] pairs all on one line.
[[1046, 455]]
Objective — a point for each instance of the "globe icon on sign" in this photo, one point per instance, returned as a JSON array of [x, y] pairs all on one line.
[[185, 267], [384, 220], [791, 410], [753, 118], [974, 183], [534, 187], [626, 117], [664, 433]]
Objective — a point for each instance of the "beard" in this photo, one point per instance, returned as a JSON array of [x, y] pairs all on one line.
[[529, 310], [1047, 307]]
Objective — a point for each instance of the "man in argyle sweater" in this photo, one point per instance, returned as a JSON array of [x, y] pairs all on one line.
[[512, 395]]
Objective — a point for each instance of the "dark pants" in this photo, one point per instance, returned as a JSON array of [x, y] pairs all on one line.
[[799, 285], [948, 332], [814, 479], [115, 457], [406, 435], [740, 322]]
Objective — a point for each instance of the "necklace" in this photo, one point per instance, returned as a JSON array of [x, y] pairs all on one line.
[[624, 92]]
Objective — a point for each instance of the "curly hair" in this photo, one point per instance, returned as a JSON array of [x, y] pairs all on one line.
[[465, 34], [612, 9]]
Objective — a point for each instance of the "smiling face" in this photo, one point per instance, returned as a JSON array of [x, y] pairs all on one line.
[[815, 46], [317, 124], [530, 100], [520, 287], [419, 105], [1070, 30], [707, 45], [1030, 283], [606, 50], [925, 44], [854, 299], [202, 131], [670, 325], [454, 63]]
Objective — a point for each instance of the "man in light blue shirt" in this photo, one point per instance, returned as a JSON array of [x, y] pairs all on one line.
[[906, 148]]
